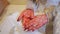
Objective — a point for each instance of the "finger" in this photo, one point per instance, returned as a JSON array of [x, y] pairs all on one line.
[[26, 30], [38, 26], [20, 17], [32, 28]]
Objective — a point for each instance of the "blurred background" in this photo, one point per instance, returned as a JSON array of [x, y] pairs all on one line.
[[8, 7]]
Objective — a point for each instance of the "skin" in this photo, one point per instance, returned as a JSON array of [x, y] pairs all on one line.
[[31, 22]]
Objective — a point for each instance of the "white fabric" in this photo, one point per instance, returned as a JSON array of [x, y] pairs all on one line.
[[57, 22], [10, 24], [53, 2]]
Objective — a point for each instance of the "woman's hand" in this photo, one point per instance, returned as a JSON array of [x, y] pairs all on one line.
[[31, 22], [26, 13], [36, 23]]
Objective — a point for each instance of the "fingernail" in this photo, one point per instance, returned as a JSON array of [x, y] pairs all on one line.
[[26, 30]]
